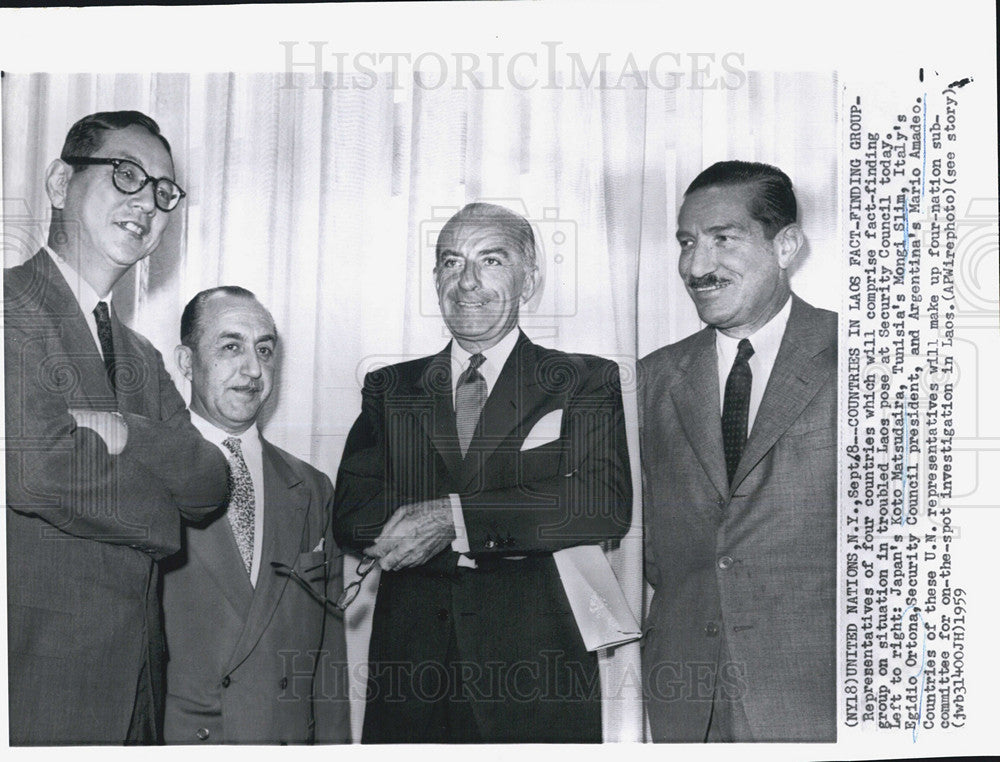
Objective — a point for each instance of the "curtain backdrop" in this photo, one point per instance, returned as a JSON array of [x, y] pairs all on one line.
[[326, 203]]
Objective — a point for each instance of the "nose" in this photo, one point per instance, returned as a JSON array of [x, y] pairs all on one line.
[[469, 280], [251, 365], [143, 199], [703, 259]]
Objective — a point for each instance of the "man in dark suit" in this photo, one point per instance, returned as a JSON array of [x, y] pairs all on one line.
[[102, 459], [740, 531], [463, 473], [255, 654]]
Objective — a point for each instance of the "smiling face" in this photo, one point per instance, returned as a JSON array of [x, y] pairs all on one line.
[[231, 368], [482, 277], [735, 275], [108, 231]]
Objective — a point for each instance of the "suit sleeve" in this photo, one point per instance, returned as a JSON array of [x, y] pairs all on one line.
[[589, 497], [192, 469], [331, 704], [364, 499], [64, 475]]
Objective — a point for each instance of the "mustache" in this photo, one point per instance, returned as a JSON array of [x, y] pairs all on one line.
[[707, 281], [249, 387]]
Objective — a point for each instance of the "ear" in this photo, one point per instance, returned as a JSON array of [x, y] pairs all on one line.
[[182, 356], [57, 178], [787, 243], [530, 284]]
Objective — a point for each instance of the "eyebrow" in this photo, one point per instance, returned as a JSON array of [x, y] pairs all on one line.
[[718, 228], [493, 251], [136, 160]]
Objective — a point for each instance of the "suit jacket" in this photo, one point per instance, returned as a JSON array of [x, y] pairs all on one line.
[[264, 664], [755, 563], [572, 490], [83, 526]]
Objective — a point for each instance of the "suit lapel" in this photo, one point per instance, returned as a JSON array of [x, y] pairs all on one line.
[[434, 383], [696, 398], [132, 367], [217, 552], [504, 408], [795, 379], [285, 507], [56, 298]]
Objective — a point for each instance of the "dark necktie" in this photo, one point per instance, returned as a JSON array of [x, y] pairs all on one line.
[[241, 501], [103, 318], [736, 407], [470, 396]]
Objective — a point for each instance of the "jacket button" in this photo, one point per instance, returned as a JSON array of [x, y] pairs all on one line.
[[283, 683], [490, 543], [202, 734], [442, 614], [725, 562], [225, 682], [711, 629]]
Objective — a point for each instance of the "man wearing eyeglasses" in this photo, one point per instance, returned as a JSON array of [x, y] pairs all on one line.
[[101, 457], [463, 474], [256, 644]]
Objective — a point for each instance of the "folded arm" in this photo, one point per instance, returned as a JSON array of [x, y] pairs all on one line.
[[65, 474]]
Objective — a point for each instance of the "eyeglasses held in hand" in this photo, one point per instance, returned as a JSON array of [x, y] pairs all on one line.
[[347, 597], [129, 178], [288, 571]]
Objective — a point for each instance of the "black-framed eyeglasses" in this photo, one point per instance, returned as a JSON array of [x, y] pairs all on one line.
[[129, 178], [347, 597]]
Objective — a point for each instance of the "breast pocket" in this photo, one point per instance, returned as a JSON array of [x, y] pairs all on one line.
[[312, 566], [818, 438]]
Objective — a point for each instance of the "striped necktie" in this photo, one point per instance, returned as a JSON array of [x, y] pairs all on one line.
[[470, 396]]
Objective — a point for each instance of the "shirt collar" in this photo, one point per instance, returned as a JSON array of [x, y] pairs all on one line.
[[249, 439], [85, 295], [766, 341], [496, 357]]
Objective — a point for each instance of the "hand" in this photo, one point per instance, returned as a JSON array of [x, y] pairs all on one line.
[[414, 534], [110, 427]]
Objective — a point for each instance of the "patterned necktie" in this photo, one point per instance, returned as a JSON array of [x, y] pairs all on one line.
[[736, 408], [103, 318], [470, 396], [241, 501]]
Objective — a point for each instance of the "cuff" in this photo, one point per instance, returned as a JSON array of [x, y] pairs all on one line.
[[461, 542]]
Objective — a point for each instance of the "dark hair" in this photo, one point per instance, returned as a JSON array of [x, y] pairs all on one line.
[[191, 317], [87, 135], [483, 214], [773, 202]]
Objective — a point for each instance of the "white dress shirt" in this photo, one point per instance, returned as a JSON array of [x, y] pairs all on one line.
[[766, 342], [85, 295], [253, 454], [496, 357]]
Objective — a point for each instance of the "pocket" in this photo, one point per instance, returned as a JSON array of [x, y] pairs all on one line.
[[820, 438], [312, 566]]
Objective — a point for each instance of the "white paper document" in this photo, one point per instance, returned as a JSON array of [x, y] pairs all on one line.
[[597, 600]]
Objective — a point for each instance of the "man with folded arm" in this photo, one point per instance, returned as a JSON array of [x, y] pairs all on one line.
[[461, 476], [102, 460]]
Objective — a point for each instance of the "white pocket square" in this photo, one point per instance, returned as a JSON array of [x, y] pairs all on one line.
[[545, 430]]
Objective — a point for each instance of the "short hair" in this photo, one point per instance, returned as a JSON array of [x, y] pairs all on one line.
[[773, 203], [484, 214], [191, 317], [87, 135]]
